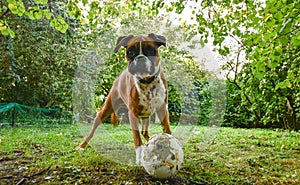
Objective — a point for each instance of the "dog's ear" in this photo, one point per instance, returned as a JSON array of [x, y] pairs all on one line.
[[122, 41], [160, 40]]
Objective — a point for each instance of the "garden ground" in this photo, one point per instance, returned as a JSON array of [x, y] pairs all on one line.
[[45, 154]]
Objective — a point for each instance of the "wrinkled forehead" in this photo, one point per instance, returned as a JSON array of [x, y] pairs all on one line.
[[141, 41]]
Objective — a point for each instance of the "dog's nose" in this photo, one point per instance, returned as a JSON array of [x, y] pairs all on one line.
[[141, 58]]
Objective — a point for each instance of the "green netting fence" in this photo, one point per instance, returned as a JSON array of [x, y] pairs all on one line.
[[14, 113]]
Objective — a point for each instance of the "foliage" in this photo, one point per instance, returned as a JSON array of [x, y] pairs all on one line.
[[38, 63], [267, 33], [236, 115], [188, 90], [44, 154], [34, 10], [259, 42]]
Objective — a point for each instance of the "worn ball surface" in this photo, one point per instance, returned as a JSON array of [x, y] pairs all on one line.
[[162, 156]]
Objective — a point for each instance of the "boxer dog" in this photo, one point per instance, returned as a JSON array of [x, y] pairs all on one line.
[[141, 87]]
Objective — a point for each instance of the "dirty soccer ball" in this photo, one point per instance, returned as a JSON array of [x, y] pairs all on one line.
[[162, 156]]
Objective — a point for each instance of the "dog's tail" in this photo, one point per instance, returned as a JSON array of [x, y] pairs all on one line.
[[114, 119]]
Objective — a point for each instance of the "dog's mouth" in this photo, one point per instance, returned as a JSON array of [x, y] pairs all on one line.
[[143, 69], [148, 79]]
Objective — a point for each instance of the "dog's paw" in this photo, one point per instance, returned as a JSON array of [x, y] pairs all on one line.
[[139, 155], [80, 148]]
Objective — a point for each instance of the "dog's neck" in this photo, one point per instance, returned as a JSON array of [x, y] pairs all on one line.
[[150, 79]]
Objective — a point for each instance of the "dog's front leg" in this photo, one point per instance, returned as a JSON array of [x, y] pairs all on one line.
[[145, 125], [134, 123], [163, 116]]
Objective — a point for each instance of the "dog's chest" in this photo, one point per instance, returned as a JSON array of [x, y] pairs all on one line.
[[151, 97]]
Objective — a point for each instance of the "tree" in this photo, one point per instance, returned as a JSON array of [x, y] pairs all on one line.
[[268, 34], [37, 62]]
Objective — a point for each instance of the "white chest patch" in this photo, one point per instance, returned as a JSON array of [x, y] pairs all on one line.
[[152, 97]]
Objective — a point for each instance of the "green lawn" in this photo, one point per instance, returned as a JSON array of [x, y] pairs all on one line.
[[46, 154]]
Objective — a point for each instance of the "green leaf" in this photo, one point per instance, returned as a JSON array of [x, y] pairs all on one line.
[[278, 51], [278, 16], [258, 69], [84, 2], [21, 8], [11, 1], [282, 85], [30, 15], [272, 63], [53, 22], [295, 42], [224, 51], [34, 13], [44, 1], [296, 39], [41, 1], [11, 33], [7, 32], [259, 74], [47, 14], [283, 40], [38, 15], [16, 7], [59, 24], [13, 8]]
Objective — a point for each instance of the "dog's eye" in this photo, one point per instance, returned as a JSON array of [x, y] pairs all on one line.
[[132, 52], [149, 51]]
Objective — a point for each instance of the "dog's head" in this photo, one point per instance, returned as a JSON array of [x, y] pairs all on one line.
[[142, 53]]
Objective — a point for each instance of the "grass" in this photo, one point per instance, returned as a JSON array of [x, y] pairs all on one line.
[[45, 154]]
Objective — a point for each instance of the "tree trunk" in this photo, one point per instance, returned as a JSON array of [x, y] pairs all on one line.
[[290, 120]]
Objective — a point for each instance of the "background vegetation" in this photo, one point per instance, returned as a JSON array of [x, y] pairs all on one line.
[[47, 46]]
